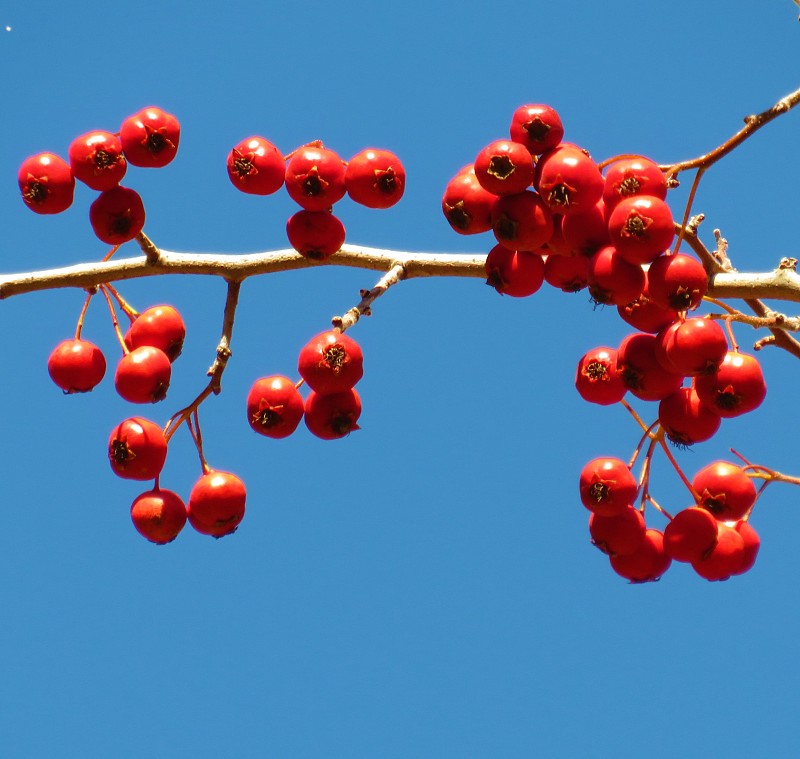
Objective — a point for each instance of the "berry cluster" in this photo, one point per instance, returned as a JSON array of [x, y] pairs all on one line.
[[100, 160], [316, 178], [558, 217], [331, 364]]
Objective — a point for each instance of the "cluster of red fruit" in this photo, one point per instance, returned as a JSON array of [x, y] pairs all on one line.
[[330, 364], [100, 160], [558, 218], [316, 178]]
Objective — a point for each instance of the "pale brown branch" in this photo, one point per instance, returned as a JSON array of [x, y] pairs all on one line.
[[368, 297]]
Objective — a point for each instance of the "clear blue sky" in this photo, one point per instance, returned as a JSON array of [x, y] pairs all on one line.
[[426, 587]]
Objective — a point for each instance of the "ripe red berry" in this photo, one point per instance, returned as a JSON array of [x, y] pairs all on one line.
[[685, 419], [597, 379], [607, 486], [331, 362], [96, 159], [76, 366], [737, 387], [217, 504], [158, 515], [612, 279], [315, 235], [274, 406], [159, 326], [725, 559], [332, 416], [633, 176], [256, 166], [504, 167], [751, 545], [315, 178], [725, 490], [690, 535], [522, 221], [618, 535], [46, 183], [641, 371], [645, 315], [568, 180], [678, 282], [150, 137], [143, 375], [466, 205], [567, 273], [641, 228], [137, 449], [586, 232], [117, 215], [694, 347], [647, 563], [375, 178], [537, 127], [515, 273]]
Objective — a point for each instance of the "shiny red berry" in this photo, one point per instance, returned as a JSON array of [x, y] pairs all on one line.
[[315, 178], [332, 416], [217, 504], [641, 229], [375, 178], [137, 449], [568, 273], [143, 375], [725, 490], [515, 273], [159, 326], [641, 371], [504, 167], [96, 159], [568, 180], [256, 166], [633, 176], [315, 235], [274, 406], [607, 486], [685, 419], [597, 379], [466, 205], [677, 282], [117, 215], [618, 535], [522, 221], [648, 563], [725, 559], [76, 366], [537, 127], [612, 279], [46, 183], [158, 515], [736, 388], [690, 535], [331, 362], [150, 137]]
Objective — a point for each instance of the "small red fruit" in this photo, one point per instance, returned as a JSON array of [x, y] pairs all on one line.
[[568, 180], [332, 416], [46, 183], [375, 178], [143, 375], [96, 159], [466, 205], [274, 406], [315, 178], [256, 166], [597, 379], [522, 221], [537, 127], [607, 486], [568, 273], [331, 362], [217, 504], [159, 326], [737, 387], [159, 515], [678, 282], [685, 419], [633, 176], [76, 366], [515, 273], [315, 235], [641, 228], [137, 449], [647, 563], [618, 535], [504, 167], [117, 215], [690, 535], [614, 280], [725, 490], [725, 559], [150, 137]]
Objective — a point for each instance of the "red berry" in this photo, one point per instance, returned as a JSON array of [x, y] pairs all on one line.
[[641, 228], [725, 490], [332, 416], [618, 535], [633, 176], [597, 378], [46, 183], [607, 486], [504, 167], [143, 375], [567, 273], [315, 235], [751, 545], [466, 205], [685, 419], [375, 178], [645, 315], [690, 535], [612, 279], [694, 347], [96, 160], [150, 137], [159, 515], [159, 326], [76, 366], [137, 449], [331, 362], [522, 221], [737, 387], [537, 127], [315, 178], [647, 563], [678, 282], [641, 371], [256, 166], [515, 273], [274, 406], [117, 215], [586, 232], [217, 504], [725, 559], [568, 180]]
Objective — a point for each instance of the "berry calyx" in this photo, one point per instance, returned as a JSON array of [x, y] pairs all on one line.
[[504, 167], [46, 183], [76, 366], [375, 178], [217, 504], [537, 127], [331, 362], [150, 138], [274, 406], [143, 375], [137, 449], [158, 515], [597, 379]]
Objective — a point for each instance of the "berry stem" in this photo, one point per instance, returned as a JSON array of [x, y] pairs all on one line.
[[117, 330], [687, 211], [127, 309], [90, 293]]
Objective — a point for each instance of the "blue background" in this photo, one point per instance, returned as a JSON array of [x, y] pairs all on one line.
[[426, 587]]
